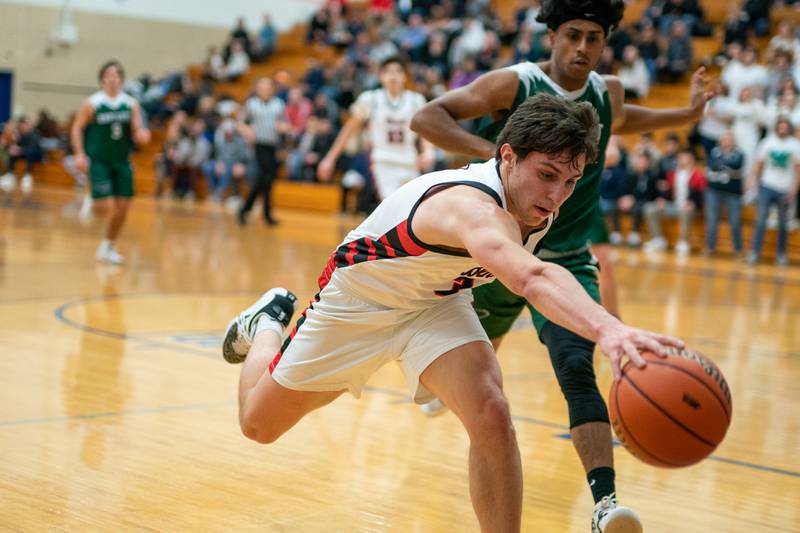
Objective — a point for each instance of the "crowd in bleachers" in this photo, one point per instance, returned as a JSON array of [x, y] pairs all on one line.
[[209, 148]]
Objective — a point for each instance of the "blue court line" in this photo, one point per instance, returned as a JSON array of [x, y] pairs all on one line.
[[379, 390], [111, 414]]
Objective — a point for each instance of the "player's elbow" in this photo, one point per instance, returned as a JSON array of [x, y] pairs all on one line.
[[534, 282], [417, 121]]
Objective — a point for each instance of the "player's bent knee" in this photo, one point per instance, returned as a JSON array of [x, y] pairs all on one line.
[[492, 421], [256, 429]]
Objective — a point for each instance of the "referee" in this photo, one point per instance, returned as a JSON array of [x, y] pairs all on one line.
[[264, 113]]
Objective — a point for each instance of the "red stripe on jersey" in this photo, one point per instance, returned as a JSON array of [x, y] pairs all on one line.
[[405, 239], [390, 252], [370, 249], [351, 254], [330, 266]]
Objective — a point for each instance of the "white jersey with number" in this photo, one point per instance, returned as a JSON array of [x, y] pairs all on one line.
[[384, 262], [389, 131]]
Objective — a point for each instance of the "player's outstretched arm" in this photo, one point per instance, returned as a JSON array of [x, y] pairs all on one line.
[[141, 135], [437, 121], [629, 118]]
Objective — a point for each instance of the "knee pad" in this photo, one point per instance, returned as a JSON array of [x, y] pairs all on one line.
[[571, 356]]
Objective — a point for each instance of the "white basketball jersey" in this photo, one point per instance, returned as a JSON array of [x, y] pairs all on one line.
[[389, 131], [384, 262]]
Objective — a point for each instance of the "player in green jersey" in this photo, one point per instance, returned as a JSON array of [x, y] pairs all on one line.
[[107, 125], [578, 30]]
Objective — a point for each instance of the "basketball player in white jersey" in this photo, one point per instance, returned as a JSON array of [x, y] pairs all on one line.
[[394, 154], [393, 291]]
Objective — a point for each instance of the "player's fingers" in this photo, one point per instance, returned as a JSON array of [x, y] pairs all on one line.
[[633, 354], [650, 344], [668, 340], [615, 366]]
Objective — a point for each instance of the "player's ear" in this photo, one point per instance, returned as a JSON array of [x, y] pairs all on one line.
[[507, 154]]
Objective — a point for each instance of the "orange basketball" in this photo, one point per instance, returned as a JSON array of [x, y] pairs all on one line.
[[674, 412]]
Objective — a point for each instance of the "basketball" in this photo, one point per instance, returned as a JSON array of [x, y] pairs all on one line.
[[674, 412]]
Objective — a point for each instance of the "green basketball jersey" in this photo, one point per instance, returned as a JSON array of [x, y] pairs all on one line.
[[108, 136], [577, 216]]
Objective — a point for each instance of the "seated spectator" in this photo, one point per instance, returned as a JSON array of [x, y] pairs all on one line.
[[23, 144], [298, 110], [435, 54], [633, 74], [613, 186], [735, 28], [207, 112], [266, 40], [232, 157], [781, 68], [647, 145], [758, 15], [748, 117], [642, 189], [776, 176], [241, 35], [466, 73], [724, 174], [413, 37], [649, 49], [318, 27], [314, 144], [687, 11], [785, 40], [677, 60], [238, 63], [620, 39], [49, 132], [470, 42], [784, 106], [191, 152], [669, 159], [744, 71], [681, 197], [488, 55], [606, 64], [214, 65]]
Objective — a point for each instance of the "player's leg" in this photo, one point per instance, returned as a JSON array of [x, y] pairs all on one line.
[[572, 360], [468, 380], [497, 309], [266, 408], [121, 177]]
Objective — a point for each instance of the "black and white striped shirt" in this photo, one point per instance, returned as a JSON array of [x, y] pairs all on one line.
[[264, 118]]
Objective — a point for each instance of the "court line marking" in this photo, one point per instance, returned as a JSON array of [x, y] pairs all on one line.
[[378, 390]]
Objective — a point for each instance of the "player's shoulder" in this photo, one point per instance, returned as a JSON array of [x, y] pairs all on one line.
[[97, 98]]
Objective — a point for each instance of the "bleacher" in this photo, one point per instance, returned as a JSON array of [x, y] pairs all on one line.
[[292, 55]]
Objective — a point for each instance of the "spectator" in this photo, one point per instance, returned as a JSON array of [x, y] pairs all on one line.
[[49, 132], [214, 66], [241, 35], [776, 174], [265, 114], [619, 39], [758, 15], [781, 68], [24, 144], [165, 161], [435, 55], [613, 186], [469, 43], [465, 74], [684, 192], [786, 40], [744, 71], [642, 189], [526, 18], [686, 11], [669, 159], [677, 60], [313, 146], [191, 152], [207, 112], [724, 173], [412, 39], [298, 109], [647, 145], [735, 29], [318, 27], [785, 106], [633, 74], [748, 116], [649, 49], [238, 64], [267, 40], [717, 119], [231, 160], [489, 54]]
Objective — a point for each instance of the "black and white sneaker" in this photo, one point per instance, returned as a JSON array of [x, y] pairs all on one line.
[[277, 304], [608, 518]]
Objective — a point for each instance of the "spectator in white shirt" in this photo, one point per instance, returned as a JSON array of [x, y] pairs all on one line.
[[633, 74], [744, 73], [776, 174], [239, 62]]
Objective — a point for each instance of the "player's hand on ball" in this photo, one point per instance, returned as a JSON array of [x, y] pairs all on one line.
[[618, 341]]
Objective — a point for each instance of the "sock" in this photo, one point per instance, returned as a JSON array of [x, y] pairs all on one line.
[[106, 244], [601, 481], [266, 323]]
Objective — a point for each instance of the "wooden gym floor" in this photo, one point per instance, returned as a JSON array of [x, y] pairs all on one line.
[[118, 413]]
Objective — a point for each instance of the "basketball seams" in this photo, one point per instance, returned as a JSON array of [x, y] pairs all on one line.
[[722, 403], [668, 415], [629, 435]]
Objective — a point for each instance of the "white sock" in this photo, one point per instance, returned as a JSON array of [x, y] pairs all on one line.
[[267, 323], [106, 244]]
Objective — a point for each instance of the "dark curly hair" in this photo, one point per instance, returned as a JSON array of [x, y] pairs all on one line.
[[606, 13]]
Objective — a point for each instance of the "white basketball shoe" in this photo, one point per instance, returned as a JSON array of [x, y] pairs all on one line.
[[276, 304], [608, 518]]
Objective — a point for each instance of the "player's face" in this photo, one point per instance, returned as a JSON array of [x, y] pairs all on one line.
[[111, 80], [577, 47], [393, 78], [539, 184]]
